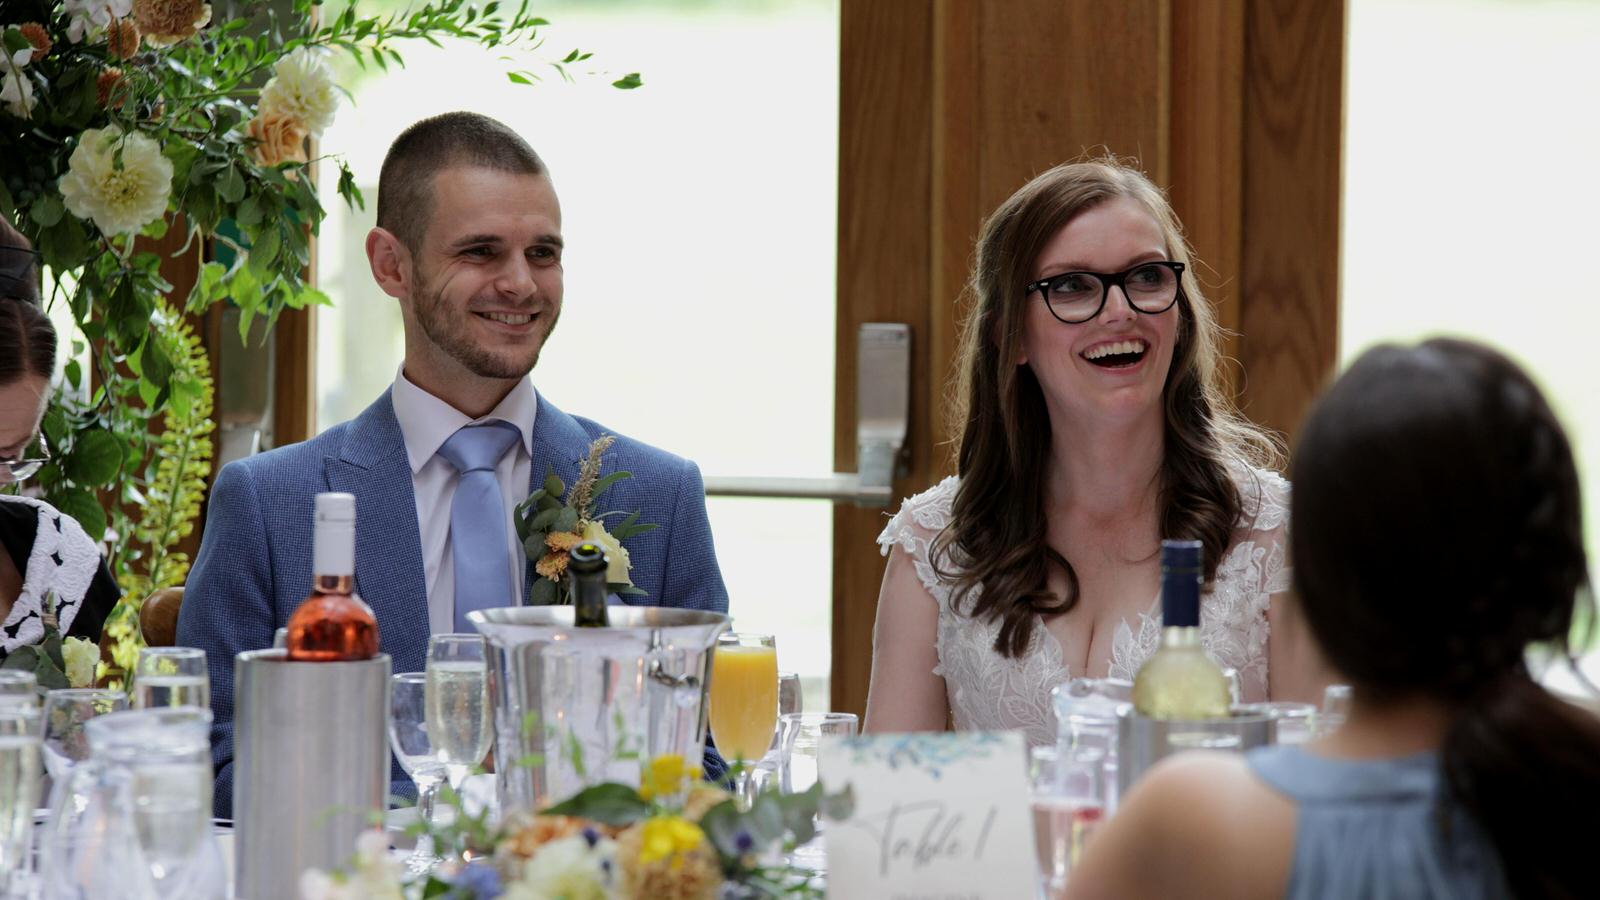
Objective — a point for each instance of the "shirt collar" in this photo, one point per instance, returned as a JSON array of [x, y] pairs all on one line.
[[426, 421]]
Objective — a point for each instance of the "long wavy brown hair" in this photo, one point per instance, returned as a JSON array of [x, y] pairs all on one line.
[[994, 551]]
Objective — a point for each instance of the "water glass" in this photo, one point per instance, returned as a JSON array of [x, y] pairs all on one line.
[[18, 687], [743, 702], [66, 740], [801, 736], [408, 737], [1068, 795], [144, 827], [171, 677], [458, 716], [789, 701], [1292, 723], [19, 791], [1335, 709]]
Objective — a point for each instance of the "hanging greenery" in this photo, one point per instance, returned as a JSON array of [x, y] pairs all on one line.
[[123, 119]]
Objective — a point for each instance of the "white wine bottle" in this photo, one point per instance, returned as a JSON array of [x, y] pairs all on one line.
[[587, 566], [1179, 681]]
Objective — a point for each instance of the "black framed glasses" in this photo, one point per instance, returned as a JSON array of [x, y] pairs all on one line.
[[13, 471], [1077, 297]]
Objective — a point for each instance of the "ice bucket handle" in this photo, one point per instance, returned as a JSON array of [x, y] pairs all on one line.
[[660, 675]]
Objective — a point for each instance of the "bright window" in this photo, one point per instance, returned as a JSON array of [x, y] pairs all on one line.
[[699, 215]]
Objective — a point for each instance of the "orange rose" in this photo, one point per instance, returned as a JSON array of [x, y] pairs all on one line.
[[279, 139]]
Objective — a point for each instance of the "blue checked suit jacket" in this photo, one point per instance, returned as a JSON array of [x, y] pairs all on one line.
[[254, 565]]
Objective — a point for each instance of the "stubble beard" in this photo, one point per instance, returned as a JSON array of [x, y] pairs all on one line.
[[450, 336]]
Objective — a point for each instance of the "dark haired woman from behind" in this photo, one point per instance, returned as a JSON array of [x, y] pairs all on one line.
[[46, 553], [1437, 533]]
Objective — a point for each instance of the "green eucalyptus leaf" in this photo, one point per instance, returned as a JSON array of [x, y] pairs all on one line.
[[553, 485], [543, 593], [25, 658], [609, 803], [47, 210], [544, 520], [566, 521]]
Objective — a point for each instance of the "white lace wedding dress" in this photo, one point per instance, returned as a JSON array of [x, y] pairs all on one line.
[[989, 692]]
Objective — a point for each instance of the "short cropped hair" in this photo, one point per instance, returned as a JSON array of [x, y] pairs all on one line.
[[405, 184]]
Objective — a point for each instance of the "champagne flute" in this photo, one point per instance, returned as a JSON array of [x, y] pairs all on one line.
[[456, 696], [408, 735], [171, 676], [743, 702]]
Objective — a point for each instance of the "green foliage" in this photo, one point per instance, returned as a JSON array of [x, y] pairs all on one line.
[[175, 488], [126, 481]]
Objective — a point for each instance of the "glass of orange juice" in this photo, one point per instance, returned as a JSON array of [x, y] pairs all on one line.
[[744, 702]]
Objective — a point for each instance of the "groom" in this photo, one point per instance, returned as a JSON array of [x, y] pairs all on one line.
[[469, 242]]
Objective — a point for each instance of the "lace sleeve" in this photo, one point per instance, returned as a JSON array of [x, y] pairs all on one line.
[[914, 527]]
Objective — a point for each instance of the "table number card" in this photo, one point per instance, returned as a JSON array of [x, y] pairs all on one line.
[[938, 816]]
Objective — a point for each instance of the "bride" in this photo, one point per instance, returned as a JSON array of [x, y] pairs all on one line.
[[1093, 424]]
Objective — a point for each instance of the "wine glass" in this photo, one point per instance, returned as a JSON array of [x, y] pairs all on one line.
[[171, 676], [1069, 799], [801, 737], [456, 696], [408, 735], [743, 702]]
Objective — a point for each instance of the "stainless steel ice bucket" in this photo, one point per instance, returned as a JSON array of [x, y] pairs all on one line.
[[311, 766], [1142, 741], [578, 706]]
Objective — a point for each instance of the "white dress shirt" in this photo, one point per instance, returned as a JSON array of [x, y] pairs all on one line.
[[426, 422]]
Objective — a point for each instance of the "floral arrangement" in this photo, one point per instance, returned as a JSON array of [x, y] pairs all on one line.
[[127, 122], [56, 662], [549, 527], [672, 838]]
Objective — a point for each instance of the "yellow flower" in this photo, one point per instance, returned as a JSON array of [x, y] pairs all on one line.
[[80, 655], [668, 837], [665, 776], [123, 197], [617, 564], [667, 858]]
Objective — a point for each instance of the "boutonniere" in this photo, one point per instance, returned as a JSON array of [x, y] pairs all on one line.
[[549, 526]]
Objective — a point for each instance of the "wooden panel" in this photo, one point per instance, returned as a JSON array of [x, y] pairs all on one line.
[[1207, 135], [1059, 80], [1294, 81], [885, 135], [294, 377], [957, 209]]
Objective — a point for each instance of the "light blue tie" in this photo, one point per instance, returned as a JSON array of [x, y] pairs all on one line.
[[478, 540]]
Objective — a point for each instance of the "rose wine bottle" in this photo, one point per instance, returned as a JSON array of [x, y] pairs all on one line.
[[587, 568], [1179, 681], [333, 625]]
